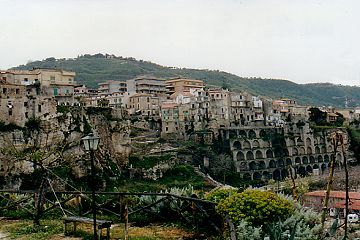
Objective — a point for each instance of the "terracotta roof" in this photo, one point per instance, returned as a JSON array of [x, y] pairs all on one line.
[[353, 205], [335, 194]]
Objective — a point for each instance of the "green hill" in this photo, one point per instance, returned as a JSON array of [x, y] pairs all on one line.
[[92, 69]]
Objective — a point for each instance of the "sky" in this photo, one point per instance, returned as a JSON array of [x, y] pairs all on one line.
[[300, 40]]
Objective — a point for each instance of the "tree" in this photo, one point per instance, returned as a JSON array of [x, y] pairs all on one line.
[[222, 165], [317, 116], [256, 207]]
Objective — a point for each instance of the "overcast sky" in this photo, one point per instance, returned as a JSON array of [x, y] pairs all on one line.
[[300, 40]]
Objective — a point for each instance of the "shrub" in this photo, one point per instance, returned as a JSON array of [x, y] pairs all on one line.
[[220, 194], [256, 207]]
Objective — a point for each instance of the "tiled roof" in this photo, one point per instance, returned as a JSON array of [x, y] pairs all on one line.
[[335, 194], [353, 205]]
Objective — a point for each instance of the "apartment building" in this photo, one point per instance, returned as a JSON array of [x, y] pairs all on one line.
[[146, 84], [111, 86], [183, 85]]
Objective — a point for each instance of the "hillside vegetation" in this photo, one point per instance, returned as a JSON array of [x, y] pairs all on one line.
[[92, 69]]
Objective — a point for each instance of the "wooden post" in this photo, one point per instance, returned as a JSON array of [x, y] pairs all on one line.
[[126, 218]]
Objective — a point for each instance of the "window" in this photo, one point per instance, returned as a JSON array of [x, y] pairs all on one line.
[[52, 78], [26, 115], [4, 78], [39, 108], [25, 104], [17, 91], [26, 79], [10, 112], [166, 129], [4, 90]]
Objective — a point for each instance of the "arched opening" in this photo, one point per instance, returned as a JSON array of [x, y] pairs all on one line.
[[339, 157], [302, 150], [259, 154], [253, 165], [326, 158], [252, 134], [309, 150], [247, 145], [316, 166], [330, 149], [249, 155], [323, 167], [242, 134], [257, 176], [263, 134], [312, 159], [297, 161], [305, 160], [302, 171], [261, 165], [299, 141], [286, 152], [284, 173], [255, 144], [317, 150], [288, 162], [291, 142], [269, 154], [323, 149], [247, 176], [320, 158], [308, 141], [272, 164], [237, 145], [277, 175], [309, 169], [280, 163], [240, 156], [295, 152], [266, 175]]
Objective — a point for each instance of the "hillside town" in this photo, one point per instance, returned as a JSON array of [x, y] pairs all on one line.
[[267, 139]]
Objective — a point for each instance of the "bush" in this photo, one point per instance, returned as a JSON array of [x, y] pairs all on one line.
[[256, 207], [220, 194]]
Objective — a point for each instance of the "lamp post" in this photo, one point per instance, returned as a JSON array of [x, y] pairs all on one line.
[[91, 143]]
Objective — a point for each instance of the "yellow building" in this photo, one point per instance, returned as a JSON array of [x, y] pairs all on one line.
[[183, 85]]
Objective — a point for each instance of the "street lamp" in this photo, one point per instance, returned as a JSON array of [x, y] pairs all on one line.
[[91, 143]]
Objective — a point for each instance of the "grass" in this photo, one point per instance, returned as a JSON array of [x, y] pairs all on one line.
[[53, 229]]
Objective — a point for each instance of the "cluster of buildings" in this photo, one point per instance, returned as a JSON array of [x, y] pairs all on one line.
[[183, 107]]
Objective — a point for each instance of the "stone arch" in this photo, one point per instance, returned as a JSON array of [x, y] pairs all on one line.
[[297, 161], [302, 171], [299, 141], [253, 165], [339, 157], [323, 149], [255, 144], [272, 164], [302, 150], [246, 145], [263, 134], [316, 166], [242, 134], [266, 144], [305, 160], [266, 175], [295, 152], [277, 174], [323, 167], [326, 158], [269, 154], [237, 145], [312, 159], [317, 150], [286, 152], [249, 155], [262, 165], [329, 148], [240, 156], [280, 163], [320, 158], [288, 162], [309, 150], [284, 173], [308, 141], [252, 134], [257, 176], [258, 154], [309, 169], [291, 142], [247, 176]]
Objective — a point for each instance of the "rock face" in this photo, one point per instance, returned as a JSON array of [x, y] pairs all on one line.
[[58, 140]]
